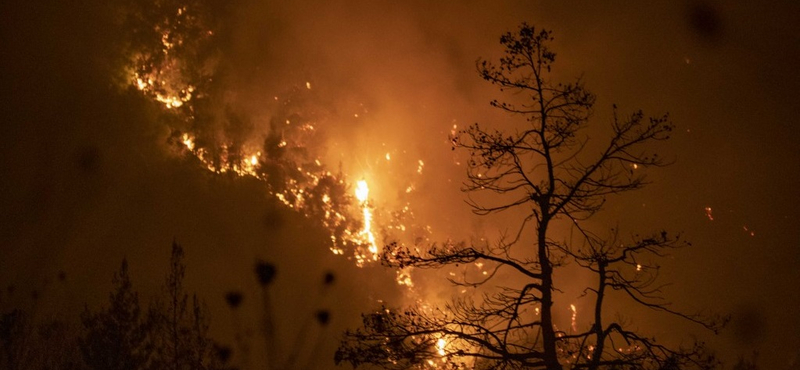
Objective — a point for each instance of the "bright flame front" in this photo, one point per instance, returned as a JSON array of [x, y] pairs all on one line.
[[362, 194]]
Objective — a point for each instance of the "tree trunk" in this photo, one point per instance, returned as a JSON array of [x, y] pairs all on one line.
[[548, 331], [597, 353]]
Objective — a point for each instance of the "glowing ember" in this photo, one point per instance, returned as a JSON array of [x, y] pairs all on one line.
[[404, 277], [188, 141], [708, 214], [440, 345], [574, 317]]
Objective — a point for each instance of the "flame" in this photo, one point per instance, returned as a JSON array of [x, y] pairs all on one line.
[[188, 141], [298, 196], [440, 346], [159, 73], [708, 214], [362, 191], [362, 194], [574, 317], [164, 82]]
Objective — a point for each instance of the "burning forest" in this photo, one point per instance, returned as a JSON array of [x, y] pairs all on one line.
[[398, 186]]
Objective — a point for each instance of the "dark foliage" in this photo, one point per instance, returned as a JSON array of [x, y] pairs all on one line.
[[116, 337], [178, 329]]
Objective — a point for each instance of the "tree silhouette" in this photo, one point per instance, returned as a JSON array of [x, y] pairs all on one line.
[[14, 339], [545, 170], [173, 334], [178, 330], [26, 343], [116, 337]]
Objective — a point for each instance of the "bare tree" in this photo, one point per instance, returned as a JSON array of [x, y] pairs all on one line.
[[544, 170]]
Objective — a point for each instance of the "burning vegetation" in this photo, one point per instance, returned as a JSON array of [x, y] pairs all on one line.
[[173, 58]]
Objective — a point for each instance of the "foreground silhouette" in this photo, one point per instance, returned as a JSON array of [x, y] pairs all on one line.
[[543, 170]]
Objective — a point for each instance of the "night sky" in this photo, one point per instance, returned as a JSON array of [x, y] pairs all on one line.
[[88, 174]]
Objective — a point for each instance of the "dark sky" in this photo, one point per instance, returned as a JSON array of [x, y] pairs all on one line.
[[87, 177]]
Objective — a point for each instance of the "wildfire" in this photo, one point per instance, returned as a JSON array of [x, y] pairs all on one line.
[[310, 189], [158, 89], [302, 196], [362, 194], [188, 141]]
